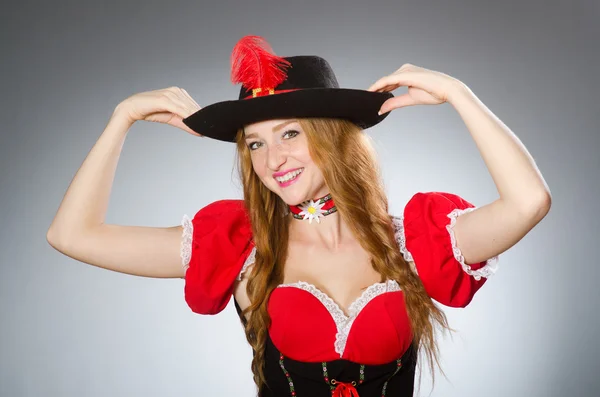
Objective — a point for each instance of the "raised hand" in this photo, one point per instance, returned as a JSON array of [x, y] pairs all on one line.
[[425, 87], [168, 106]]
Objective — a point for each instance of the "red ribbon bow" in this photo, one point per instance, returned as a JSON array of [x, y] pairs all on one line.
[[344, 390]]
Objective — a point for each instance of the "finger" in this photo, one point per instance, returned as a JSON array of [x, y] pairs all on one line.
[[185, 97], [396, 103], [191, 99], [399, 79], [386, 81], [388, 88], [176, 95], [176, 105], [409, 67], [376, 86], [380, 84]]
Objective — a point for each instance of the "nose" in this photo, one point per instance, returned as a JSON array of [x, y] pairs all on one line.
[[276, 156]]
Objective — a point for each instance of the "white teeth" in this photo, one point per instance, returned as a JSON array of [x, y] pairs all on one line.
[[289, 175]]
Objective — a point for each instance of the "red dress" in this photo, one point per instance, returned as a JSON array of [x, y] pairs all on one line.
[[311, 340]]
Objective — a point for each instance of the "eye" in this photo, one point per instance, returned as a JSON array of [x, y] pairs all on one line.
[[289, 134], [254, 145]]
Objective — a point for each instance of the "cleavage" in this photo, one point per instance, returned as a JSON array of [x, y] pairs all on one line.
[[343, 277], [347, 311]]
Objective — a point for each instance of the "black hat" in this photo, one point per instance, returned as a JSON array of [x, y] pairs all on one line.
[[283, 87]]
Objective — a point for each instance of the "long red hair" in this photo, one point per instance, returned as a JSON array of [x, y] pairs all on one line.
[[346, 157]]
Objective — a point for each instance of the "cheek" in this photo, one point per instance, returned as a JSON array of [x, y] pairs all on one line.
[[299, 150], [302, 155], [259, 166]]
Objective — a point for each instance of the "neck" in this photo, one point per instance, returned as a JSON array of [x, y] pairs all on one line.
[[331, 232]]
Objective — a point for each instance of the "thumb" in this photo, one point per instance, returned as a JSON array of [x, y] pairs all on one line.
[[397, 102]]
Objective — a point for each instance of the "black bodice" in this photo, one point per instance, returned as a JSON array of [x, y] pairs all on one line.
[[288, 377]]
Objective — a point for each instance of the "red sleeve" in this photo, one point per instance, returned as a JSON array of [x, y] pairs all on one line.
[[430, 243], [215, 245]]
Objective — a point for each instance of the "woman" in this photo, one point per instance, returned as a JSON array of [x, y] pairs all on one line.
[[335, 294]]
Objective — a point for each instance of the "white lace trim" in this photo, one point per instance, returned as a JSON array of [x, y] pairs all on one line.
[[486, 271], [186, 242], [398, 222], [342, 322], [249, 261], [491, 265]]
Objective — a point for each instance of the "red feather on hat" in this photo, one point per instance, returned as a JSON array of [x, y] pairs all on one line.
[[254, 65]]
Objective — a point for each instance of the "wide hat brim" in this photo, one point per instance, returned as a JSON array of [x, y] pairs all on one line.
[[222, 120]]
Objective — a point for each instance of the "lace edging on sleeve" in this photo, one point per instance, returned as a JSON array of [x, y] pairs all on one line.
[[186, 242], [491, 265], [249, 261], [398, 223]]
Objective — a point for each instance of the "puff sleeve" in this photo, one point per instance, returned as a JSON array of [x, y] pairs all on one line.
[[215, 244], [426, 238]]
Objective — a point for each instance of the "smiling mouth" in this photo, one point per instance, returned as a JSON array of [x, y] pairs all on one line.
[[288, 177]]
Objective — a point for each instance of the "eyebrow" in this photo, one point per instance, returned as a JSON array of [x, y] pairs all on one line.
[[275, 129]]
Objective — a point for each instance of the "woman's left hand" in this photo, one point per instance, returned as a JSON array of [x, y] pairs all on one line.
[[425, 87]]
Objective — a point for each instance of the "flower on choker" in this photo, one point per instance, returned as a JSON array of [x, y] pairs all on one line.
[[312, 210]]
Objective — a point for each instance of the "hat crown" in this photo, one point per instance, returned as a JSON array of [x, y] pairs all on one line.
[[273, 87], [304, 72]]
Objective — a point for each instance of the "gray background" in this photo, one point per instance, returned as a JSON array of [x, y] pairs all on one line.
[[69, 329]]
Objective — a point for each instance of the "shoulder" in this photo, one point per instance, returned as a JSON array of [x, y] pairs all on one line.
[[428, 211], [425, 236], [436, 202], [215, 245], [221, 215], [431, 208], [230, 207]]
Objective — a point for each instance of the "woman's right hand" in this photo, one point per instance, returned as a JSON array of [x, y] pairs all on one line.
[[168, 106]]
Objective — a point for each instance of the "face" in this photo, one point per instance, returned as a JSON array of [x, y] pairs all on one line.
[[281, 159]]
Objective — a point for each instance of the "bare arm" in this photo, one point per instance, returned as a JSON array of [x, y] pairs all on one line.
[[525, 198], [78, 229]]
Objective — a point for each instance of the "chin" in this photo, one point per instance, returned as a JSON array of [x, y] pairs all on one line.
[[292, 195], [292, 198], [299, 196]]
